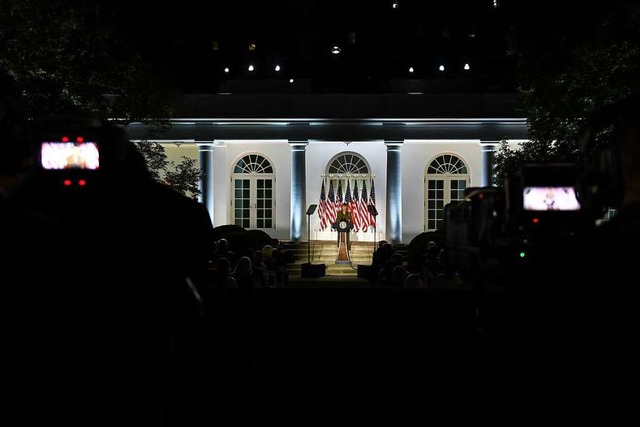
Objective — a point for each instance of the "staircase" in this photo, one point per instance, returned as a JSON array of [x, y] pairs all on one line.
[[325, 252]]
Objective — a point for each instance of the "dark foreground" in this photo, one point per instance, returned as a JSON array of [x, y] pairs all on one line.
[[437, 356]]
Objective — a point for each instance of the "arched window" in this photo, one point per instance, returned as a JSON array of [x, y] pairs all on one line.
[[348, 179], [253, 193], [447, 177], [348, 163]]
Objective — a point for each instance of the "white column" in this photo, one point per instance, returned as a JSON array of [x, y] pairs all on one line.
[[394, 191], [205, 155], [488, 149], [298, 189]]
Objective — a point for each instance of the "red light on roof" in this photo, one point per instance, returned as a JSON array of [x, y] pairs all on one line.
[[535, 220], [82, 182], [80, 139], [65, 139], [66, 182]]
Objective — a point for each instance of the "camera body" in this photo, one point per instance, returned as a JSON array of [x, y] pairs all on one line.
[[71, 160], [549, 201], [77, 156], [498, 228]]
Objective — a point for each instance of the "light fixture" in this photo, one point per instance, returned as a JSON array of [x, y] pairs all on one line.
[[441, 68], [467, 66], [336, 50], [411, 69], [226, 70], [277, 68], [250, 67], [290, 80]]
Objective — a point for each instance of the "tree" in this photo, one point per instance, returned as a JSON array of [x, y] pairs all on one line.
[[182, 176], [571, 62], [71, 58]]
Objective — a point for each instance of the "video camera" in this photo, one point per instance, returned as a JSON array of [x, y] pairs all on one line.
[[493, 228], [77, 156]]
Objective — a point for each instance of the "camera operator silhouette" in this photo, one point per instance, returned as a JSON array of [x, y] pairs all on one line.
[[570, 333], [103, 284], [55, 354]]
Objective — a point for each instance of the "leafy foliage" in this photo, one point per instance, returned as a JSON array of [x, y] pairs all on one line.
[[184, 176], [70, 58], [570, 64], [156, 157]]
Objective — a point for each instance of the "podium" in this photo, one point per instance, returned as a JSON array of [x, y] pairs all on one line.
[[343, 228]]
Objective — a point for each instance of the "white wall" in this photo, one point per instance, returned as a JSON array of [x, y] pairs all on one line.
[[278, 153], [319, 155], [415, 156]]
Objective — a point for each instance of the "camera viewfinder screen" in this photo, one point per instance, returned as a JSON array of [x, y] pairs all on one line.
[[69, 155], [550, 199]]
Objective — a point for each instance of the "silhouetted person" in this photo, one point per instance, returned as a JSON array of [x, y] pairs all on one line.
[[222, 250], [382, 253], [415, 281], [180, 234], [140, 239], [609, 264], [243, 273], [56, 362], [432, 263], [569, 316], [386, 273], [260, 270], [270, 263]]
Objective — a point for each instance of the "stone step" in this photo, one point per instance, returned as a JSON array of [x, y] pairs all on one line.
[[326, 252]]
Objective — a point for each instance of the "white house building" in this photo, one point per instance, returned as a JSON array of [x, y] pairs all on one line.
[[266, 157]]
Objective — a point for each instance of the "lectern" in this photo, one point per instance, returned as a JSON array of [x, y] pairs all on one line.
[[307, 269], [343, 227]]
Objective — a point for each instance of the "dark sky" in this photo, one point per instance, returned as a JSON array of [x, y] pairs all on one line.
[[299, 33]]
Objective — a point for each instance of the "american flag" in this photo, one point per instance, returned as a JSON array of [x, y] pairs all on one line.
[[355, 201], [372, 201], [330, 206], [322, 207], [347, 196], [362, 208], [338, 196]]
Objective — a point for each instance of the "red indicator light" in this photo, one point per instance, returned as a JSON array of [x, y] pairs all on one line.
[[79, 140], [82, 182], [65, 139], [66, 182], [535, 220]]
